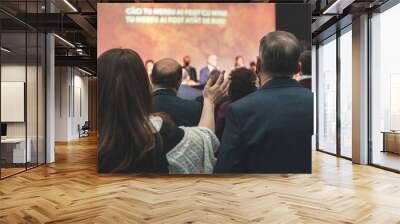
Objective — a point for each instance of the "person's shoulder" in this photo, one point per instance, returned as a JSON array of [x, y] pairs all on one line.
[[160, 98], [161, 93], [168, 128], [188, 88], [164, 124], [204, 68], [192, 103], [308, 91], [157, 99], [304, 91], [170, 134], [246, 101], [245, 104]]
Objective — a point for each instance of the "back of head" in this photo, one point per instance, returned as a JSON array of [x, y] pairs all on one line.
[[214, 75], [305, 61], [239, 62], [279, 54], [243, 82], [167, 73], [124, 107], [186, 60], [212, 60]]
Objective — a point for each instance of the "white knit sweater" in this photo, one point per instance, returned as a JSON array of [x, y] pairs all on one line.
[[194, 154]]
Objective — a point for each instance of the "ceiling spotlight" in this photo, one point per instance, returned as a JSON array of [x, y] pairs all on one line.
[[64, 40], [70, 5], [79, 51], [337, 7], [5, 50], [84, 71]]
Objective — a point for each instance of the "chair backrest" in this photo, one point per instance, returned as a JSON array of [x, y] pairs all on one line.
[[86, 125]]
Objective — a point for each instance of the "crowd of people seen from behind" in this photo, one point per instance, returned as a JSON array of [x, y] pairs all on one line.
[[163, 117]]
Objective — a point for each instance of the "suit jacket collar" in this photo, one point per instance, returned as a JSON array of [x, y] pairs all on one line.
[[165, 91], [280, 83]]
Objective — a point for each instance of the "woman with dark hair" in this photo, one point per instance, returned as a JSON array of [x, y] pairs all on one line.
[[131, 139], [212, 78], [243, 82]]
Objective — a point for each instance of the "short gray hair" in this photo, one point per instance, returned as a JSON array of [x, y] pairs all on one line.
[[279, 54]]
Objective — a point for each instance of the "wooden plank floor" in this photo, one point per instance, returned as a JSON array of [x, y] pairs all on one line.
[[70, 191]]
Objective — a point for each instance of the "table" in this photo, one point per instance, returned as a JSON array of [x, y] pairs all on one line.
[[13, 150], [391, 141]]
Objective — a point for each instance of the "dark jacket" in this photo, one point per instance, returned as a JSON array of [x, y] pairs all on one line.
[[188, 92], [204, 73], [183, 112], [220, 118], [192, 72], [306, 83], [269, 131]]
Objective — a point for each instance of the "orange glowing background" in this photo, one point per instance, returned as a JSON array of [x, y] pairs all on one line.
[[245, 24]]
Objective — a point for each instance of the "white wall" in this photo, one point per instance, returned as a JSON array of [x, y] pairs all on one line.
[[17, 73], [33, 126], [71, 102], [61, 103], [12, 73], [80, 111]]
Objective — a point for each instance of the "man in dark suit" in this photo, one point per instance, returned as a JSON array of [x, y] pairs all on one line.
[[190, 70], [269, 131], [212, 62], [166, 78]]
